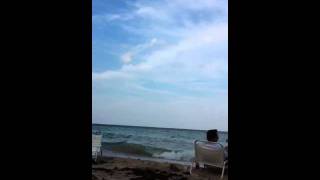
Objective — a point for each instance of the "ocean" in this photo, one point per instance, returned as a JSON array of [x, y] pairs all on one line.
[[149, 142]]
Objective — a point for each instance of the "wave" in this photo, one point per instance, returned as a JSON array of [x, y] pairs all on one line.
[[169, 144], [133, 149], [176, 155], [148, 151], [114, 135], [114, 143]]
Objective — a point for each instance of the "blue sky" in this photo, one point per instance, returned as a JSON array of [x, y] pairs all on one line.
[[160, 63]]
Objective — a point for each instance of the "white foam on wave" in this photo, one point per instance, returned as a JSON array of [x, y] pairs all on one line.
[[180, 155]]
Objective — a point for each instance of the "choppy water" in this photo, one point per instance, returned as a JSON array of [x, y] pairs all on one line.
[[170, 144]]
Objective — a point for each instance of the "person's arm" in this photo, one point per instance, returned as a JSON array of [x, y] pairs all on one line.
[[226, 152]]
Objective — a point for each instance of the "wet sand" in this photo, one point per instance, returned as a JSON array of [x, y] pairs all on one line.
[[119, 168]]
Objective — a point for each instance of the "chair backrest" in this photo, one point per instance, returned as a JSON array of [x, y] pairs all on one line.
[[96, 141], [209, 153]]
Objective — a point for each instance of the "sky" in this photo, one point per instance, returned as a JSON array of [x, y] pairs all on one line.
[[160, 63]]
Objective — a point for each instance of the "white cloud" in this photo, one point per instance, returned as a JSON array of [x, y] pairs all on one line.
[[198, 5], [106, 18], [126, 57], [152, 13], [191, 57], [110, 75], [142, 47]]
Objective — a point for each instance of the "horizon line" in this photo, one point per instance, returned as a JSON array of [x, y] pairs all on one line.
[[154, 127]]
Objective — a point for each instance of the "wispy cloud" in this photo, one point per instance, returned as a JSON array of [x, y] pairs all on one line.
[[191, 57], [136, 50], [106, 18], [126, 57]]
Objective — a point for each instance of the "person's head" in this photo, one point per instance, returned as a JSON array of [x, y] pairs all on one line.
[[212, 135]]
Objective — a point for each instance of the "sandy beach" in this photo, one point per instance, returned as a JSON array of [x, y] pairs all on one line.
[[119, 168]]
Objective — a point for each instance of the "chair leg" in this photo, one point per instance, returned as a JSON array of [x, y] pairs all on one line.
[[191, 167], [222, 172]]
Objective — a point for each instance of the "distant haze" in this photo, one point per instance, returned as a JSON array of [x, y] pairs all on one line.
[[161, 63]]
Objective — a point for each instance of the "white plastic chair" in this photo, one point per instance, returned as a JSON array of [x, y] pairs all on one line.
[[96, 146], [209, 153]]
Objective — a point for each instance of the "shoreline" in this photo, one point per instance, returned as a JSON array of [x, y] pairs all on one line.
[[120, 168], [110, 154]]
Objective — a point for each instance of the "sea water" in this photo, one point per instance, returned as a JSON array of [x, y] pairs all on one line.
[[162, 143]]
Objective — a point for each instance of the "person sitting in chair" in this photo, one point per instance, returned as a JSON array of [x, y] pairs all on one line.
[[212, 136]]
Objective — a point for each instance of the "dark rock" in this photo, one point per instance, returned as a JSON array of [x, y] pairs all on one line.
[[148, 174], [108, 171], [186, 173], [173, 168], [125, 169]]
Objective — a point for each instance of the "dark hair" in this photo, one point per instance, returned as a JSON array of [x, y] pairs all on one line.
[[212, 135]]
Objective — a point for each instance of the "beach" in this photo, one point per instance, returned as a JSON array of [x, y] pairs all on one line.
[[125, 168], [149, 153]]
